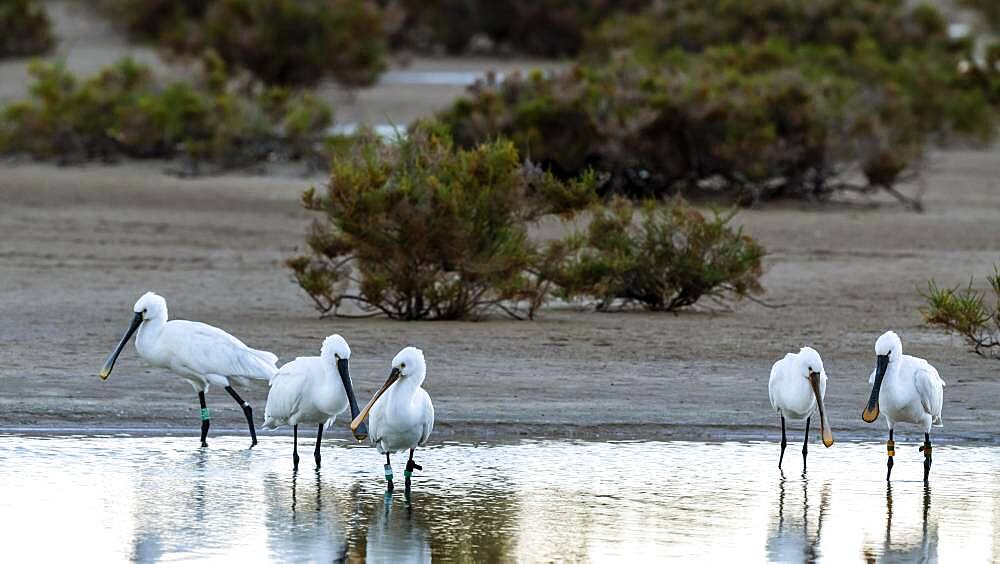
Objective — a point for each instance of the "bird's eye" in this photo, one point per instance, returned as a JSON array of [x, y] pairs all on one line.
[[144, 310], [402, 365]]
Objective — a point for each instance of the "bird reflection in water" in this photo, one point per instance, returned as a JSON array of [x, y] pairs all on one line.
[[394, 535], [923, 549], [319, 491], [793, 538]]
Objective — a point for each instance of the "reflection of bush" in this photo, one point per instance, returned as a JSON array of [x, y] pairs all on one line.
[[694, 98], [125, 111], [672, 258], [286, 42], [545, 28], [26, 29], [965, 311], [417, 229]]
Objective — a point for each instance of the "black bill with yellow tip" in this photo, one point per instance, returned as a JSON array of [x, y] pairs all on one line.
[[824, 425], [343, 367], [110, 362], [870, 414]]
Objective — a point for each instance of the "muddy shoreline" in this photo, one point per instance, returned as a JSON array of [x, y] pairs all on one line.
[[79, 245]]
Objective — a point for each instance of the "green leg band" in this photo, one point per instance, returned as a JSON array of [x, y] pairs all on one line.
[[388, 473], [204, 414], [407, 473]]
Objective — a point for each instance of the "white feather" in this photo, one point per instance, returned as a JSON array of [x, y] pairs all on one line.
[[403, 417], [199, 353], [309, 390], [912, 391]]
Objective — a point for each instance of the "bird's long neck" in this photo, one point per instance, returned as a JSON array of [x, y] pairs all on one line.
[[330, 384], [401, 394], [149, 332], [892, 373]]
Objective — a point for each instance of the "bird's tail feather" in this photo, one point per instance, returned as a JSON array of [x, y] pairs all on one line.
[[265, 365]]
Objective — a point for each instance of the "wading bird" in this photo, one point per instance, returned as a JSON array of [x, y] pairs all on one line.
[[797, 388], [904, 389], [201, 354], [313, 390], [402, 415]]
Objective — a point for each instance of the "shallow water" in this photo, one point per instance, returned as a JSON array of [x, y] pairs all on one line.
[[148, 498]]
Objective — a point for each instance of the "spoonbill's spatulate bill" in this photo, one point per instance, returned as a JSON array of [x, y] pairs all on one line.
[[904, 389], [402, 415], [797, 388], [313, 390], [201, 354]]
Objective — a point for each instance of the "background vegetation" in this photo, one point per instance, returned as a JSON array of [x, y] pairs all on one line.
[[26, 29], [673, 257], [748, 101], [421, 229], [418, 229], [280, 42], [125, 111], [545, 28], [966, 312]]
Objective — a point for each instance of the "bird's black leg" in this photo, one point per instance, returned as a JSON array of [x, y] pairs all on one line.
[[388, 473], [410, 465], [295, 447], [319, 439], [926, 449], [784, 442], [805, 445], [890, 448], [247, 411], [205, 420]]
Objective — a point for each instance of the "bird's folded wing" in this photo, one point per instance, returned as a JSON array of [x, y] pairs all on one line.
[[428, 421], [285, 396], [208, 350], [930, 388]]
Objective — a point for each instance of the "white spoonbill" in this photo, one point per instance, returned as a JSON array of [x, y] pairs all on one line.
[[402, 415], [313, 390], [797, 388], [904, 389], [201, 354]]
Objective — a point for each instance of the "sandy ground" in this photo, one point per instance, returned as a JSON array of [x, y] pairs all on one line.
[[78, 246]]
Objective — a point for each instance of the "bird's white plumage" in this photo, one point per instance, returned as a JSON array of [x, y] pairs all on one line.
[[309, 389], [199, 353], [788, 387], [403, 417], [912, 390]]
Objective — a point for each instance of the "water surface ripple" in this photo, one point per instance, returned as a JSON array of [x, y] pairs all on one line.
[[162, 498]]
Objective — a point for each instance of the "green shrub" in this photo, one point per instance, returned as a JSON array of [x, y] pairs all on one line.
[[417, 229], [547, 28], [693, 100], [965, 311], [155, 20], [125, 111], [280, 42], [672, 258], [26, 29], [853, 26]]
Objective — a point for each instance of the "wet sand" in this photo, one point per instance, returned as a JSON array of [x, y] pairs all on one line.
[[79, 245]]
